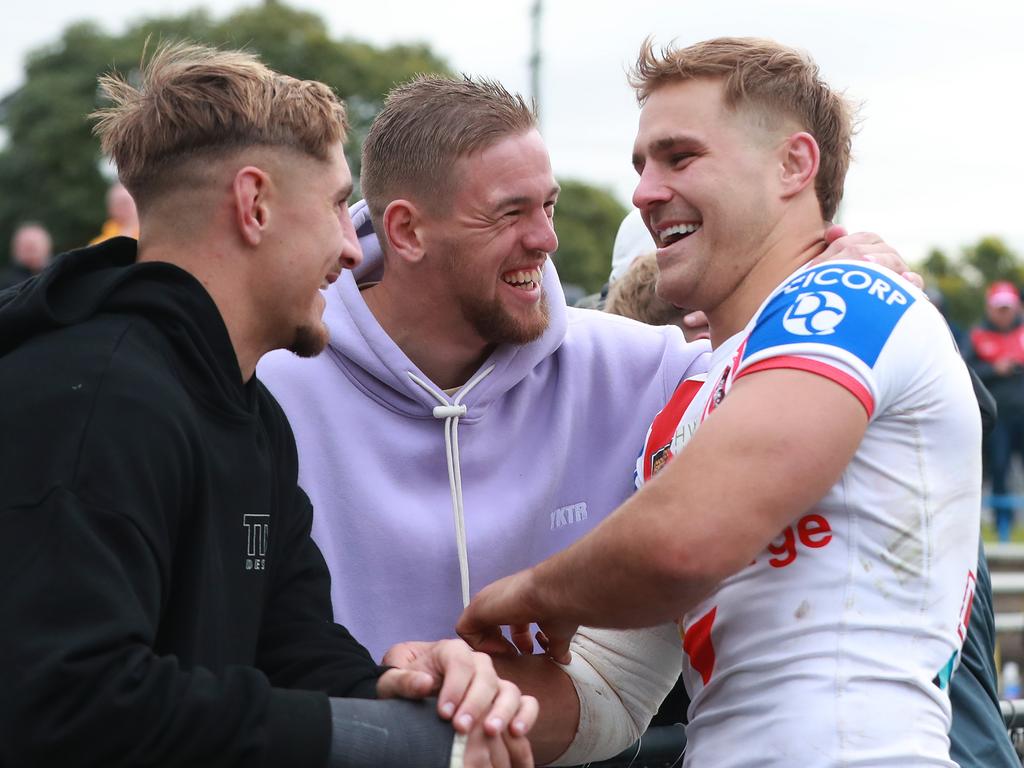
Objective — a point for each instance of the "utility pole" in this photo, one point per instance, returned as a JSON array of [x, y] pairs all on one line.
[[535, 14]]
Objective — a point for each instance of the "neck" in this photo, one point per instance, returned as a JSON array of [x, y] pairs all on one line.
[[213, 269], [431, 333], [779, 261]]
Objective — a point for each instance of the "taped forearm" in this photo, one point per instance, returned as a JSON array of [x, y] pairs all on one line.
[[394, 733], [621, 677]]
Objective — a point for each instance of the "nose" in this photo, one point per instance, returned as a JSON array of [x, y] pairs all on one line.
[[651, 189], [541, 235], [351, 254]]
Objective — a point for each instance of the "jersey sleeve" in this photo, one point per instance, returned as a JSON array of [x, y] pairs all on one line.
[[835, 320]]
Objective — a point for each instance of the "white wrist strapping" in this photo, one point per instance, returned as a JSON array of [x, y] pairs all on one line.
[[621, 677]]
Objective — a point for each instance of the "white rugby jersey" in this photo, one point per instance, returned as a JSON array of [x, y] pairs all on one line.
[[836, 644]]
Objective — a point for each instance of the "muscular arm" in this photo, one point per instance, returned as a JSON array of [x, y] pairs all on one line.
[[540, 677], [773, 448]]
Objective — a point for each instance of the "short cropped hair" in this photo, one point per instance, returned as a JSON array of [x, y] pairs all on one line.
[[777, 80], [195, 103], [425, 126], [632, 295]]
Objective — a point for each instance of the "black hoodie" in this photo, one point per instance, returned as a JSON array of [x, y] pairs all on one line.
[[161, 601]]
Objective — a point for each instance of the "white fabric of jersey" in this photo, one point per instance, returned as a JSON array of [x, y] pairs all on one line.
[[621, 677], [836, 644]]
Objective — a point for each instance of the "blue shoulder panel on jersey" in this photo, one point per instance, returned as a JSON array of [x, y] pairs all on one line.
[[841, 305]]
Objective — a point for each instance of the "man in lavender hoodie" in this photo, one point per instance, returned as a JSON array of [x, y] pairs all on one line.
[[464, 423]]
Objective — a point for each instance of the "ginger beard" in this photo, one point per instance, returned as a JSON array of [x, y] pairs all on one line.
[[482, 307]]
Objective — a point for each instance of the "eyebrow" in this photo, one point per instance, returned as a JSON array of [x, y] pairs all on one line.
[[663, 145], [509, 202]]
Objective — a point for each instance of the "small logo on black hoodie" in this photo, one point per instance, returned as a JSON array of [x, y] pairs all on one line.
[[257, 532]]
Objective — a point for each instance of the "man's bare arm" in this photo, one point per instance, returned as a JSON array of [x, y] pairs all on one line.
[[539, 677], [773, 448]]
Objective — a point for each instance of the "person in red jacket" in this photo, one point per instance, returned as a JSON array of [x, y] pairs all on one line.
[[997, 355]]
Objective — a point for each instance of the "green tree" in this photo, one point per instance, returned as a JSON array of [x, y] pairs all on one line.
[[586, 220], [51, 168], [963, 280]]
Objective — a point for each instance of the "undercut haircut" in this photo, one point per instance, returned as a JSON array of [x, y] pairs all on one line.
[[428, 124], [779, 82], [195, 104]]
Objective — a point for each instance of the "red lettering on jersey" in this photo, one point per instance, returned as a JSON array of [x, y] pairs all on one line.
[[698, 646], [813, 531], [663, 428], [785, 551]]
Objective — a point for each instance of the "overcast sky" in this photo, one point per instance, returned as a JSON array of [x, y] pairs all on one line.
[[937, 159]]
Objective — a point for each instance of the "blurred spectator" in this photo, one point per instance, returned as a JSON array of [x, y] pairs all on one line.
[[997, 355], [31, 250], [938, 300], [122, 218], [631, 241], [632, 295]]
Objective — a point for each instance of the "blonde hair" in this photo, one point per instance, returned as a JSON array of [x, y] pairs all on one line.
[[194, 103], [632, 295], [777, 80], [425, 126]]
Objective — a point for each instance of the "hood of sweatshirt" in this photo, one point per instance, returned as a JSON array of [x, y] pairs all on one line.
[[385, 372], [106, 280]]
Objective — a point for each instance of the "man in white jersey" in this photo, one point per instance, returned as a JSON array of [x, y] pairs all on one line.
[[819, 541]]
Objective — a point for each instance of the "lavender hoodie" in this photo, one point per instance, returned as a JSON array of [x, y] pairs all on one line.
[[538, 451]]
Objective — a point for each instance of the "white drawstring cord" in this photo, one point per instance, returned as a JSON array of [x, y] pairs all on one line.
[[451, 412]]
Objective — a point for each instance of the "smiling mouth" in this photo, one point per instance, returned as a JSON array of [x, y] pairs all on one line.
[[524, 279], [675, 233]]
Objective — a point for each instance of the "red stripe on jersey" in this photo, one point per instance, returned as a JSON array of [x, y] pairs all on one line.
[[698, 646], [663, 428], [844, 380]]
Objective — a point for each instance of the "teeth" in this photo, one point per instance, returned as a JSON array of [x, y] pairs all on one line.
[[679, 229], [527, 279]]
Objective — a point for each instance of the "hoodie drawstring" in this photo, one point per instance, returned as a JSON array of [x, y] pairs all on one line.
[[451, 412]]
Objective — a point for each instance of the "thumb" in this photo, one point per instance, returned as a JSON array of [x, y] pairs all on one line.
[[405, 684]]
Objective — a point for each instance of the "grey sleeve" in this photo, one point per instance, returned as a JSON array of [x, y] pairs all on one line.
[[392, 733]]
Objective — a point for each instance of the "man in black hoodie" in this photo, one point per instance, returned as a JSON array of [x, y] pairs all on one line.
[[163, 602]]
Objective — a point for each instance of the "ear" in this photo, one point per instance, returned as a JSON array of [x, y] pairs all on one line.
[[800, 160], [401, 223], [249, 193]]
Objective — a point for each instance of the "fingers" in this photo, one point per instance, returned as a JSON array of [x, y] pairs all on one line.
[[526, 717], [557, 646], [403, 654], [695, 319], [521, 638], [519, 753], [914, 279], [483, 751], [405, 684], [491, 642], [504, 708], [504, 751], [479, 686], [834, 232]]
